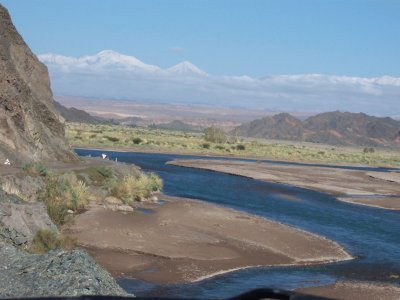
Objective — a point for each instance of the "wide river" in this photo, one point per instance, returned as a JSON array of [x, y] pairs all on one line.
[[371, 235]]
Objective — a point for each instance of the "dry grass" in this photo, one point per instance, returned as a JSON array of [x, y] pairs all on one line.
[[185, 142], [45, 240]]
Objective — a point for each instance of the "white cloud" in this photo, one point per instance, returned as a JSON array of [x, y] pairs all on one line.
[[113, 75]]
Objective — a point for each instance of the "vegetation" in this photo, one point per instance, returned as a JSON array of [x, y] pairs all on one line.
[[137, 141], [369, 150], [63, 194], [45, 240], [193, 143], [35, 168], [136, 188], [215, 135]]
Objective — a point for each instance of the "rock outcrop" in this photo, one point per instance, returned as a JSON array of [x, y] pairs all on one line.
[[57, 273], [30, 128], [19, 221]]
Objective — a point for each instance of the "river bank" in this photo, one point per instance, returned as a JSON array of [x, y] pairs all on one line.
[[369, 188], [182, 241]]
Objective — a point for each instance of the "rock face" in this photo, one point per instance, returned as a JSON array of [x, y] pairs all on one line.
[[19, 220], [335, 128], [57, 273], [30, 128]]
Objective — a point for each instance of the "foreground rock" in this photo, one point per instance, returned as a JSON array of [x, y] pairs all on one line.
[[58, 273], [375, 189], [185, 240], [19, 220], [29, 124]]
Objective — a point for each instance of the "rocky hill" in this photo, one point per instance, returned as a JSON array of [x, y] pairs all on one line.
[[73, 114], [281, 127], [335, 128], [30, 128]]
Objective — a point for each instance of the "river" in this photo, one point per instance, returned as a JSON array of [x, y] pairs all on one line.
[[371, 235]]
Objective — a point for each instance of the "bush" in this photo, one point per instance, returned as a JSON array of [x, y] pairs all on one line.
[[112, 139], [106, 172], [62, 193], [35, 168], [136, 188], [137, 140], [368, 150], [215, 135], [45, 240], [241, 147], [205, 146]]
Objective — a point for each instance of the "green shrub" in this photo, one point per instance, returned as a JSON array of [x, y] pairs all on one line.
[[136, 188], [45, 240], [62, 193], [368, 150], [137, 140], [241, 147], [112, 138], [205, 146], [106, 172], [219, 147], [215, 135], [35, 168]]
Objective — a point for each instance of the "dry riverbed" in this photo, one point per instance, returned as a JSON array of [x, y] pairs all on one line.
[[185, 240], [376, 189]]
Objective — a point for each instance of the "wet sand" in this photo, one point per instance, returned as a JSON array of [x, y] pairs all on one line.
[[186, 240], [355, 291], [377, 189]]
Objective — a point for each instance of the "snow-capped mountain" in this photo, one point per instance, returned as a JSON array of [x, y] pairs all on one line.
[[184, 68], [109, 60], [109, 74]]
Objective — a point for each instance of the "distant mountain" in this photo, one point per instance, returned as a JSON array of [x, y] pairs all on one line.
[[111, 75], [77, 115], [114, 62], [281, 127], [177, 125], [186, 68], [335, 128]]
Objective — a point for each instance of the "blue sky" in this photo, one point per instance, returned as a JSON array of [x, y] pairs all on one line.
[[249, 37]]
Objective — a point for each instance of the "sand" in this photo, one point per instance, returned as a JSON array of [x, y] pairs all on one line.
[[185, 240], [355, 291], [377, 189]]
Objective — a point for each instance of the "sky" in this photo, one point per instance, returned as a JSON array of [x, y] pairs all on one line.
[[223, 37]]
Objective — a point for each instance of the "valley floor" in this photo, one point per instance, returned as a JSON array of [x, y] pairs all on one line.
[[185, 240]]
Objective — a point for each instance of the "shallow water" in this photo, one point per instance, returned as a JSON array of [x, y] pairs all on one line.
[[369, 234]]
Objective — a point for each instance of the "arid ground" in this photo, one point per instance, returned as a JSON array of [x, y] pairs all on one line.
[[184, 240]]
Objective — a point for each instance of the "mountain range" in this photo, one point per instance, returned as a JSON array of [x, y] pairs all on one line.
[[335, 128], [111, 75]]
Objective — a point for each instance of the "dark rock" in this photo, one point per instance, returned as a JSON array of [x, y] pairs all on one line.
[[30, 128], [19, 220], [57, 273]]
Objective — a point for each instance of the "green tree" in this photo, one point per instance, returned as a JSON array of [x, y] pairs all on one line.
[[215, 135]]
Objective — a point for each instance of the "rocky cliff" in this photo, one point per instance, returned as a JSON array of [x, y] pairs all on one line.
[[30, 128]]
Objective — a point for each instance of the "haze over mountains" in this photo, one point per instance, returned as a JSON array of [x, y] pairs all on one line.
[[109, 74]]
